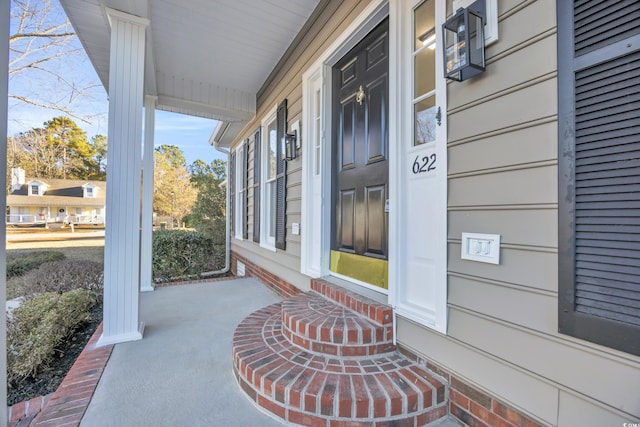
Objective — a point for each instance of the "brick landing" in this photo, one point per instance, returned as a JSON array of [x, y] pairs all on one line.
[[314, 362]]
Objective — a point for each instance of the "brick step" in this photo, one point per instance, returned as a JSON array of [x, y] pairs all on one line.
[[312, 389], [373, 310], [320, 325]]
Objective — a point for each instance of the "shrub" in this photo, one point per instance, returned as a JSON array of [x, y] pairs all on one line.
[[63, 276], [38, 326], [179, 253], [21, 263]]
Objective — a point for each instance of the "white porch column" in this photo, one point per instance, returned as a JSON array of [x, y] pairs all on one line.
[[4, 82], [122, 229], [146, 279]]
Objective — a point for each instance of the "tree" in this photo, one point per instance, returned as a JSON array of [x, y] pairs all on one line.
[[208, 214], [45, 59], [29, 151], [173, 154], [58, 150], [174, 193], [62, 132], [98, 165]]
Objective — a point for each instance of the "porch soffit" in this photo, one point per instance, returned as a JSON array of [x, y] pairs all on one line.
[[205, 58]]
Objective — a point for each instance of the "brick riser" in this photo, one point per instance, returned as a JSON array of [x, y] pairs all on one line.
[[312, 362], [317, 324], [374, 311]]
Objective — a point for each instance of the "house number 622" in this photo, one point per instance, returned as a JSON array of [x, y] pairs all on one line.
[[425, 164]]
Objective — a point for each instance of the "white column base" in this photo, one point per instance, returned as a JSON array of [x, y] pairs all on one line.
[[147, 288], [116, 339]]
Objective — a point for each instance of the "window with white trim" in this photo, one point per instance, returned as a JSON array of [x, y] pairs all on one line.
[[269, 175], [240, 189]]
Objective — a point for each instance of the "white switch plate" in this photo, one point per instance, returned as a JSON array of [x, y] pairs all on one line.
[[481, 247], [295, 228]]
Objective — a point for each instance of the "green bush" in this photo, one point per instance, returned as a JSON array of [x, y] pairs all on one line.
[[180, 253], [38, 326], [63, 276], [21, 263]]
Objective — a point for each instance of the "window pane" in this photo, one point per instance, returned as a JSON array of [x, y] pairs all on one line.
[[271, 194], [424, 24], [425, 72], [271, 152], [425, 119]]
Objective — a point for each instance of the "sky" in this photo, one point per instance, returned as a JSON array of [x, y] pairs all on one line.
[[191, 134]]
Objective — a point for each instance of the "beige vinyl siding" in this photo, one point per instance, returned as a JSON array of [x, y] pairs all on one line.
[[502, 333], [287, 83], [502, 148]]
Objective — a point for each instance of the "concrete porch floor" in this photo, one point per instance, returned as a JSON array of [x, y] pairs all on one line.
[[180, 374]]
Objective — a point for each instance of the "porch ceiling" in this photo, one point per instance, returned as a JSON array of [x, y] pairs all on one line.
[[205, 58]]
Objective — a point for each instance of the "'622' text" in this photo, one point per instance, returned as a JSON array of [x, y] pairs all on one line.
[[424, 164]]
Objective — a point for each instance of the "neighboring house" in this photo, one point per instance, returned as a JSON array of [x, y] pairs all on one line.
[[533, 317], [37, 201]]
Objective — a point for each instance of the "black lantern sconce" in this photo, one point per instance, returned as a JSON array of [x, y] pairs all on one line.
[[464, 42], [290, 142]]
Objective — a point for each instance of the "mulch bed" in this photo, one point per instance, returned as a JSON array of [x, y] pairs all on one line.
[[48, 380]]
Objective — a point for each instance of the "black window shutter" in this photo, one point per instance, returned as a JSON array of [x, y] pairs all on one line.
[[245, 190], [232, 191], [281, 177], [599, 171], [257, 162]]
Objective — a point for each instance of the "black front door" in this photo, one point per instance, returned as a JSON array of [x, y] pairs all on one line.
[[360, 148]]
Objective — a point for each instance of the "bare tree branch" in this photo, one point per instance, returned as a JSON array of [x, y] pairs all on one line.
[[48, 107], [47, 35], [41, 74]]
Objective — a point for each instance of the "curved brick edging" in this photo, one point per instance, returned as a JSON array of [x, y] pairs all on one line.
[[22, 413], [193, 281], [70, 401], [313, 389]]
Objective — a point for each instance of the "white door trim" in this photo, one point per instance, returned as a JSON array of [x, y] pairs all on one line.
[[432, 310], [314, 240]]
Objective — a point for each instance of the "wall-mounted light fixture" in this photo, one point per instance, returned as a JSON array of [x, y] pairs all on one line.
[[464, 42], [290, 141], [428, 39]]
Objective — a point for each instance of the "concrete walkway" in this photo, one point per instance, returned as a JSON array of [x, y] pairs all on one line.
[[180, 374]]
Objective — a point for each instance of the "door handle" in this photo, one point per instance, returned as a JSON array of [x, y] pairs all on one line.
[[439, 117], [360, 95]]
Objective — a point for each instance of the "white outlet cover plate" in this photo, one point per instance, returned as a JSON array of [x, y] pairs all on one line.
[[481, 247]]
